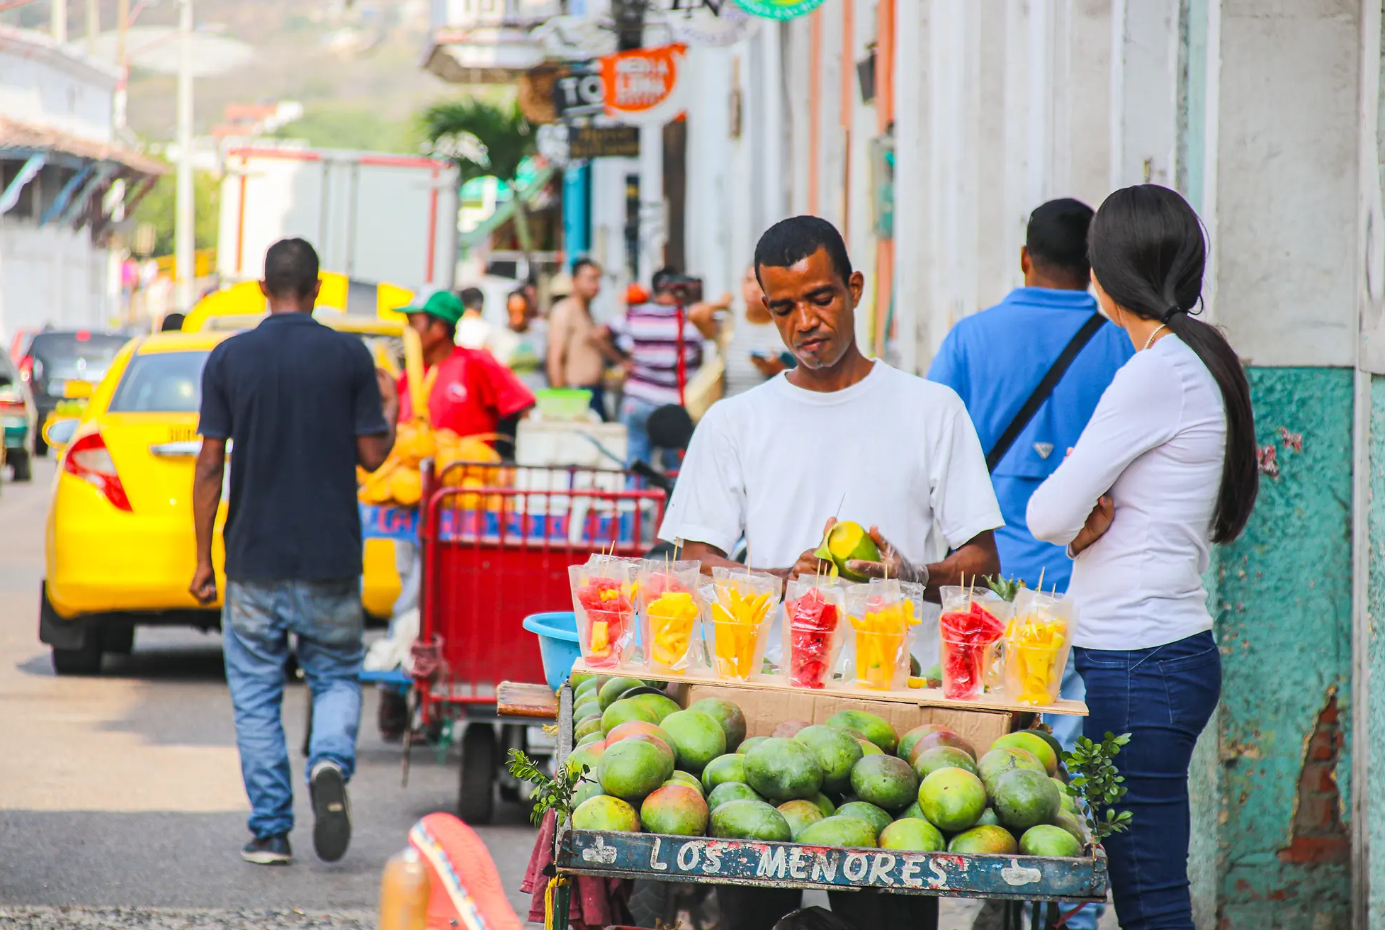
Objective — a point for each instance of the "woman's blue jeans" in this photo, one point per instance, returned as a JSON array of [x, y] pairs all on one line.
[[1162, 697]]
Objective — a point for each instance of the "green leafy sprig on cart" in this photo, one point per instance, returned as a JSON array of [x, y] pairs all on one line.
[[550, 794], [1097, 782]]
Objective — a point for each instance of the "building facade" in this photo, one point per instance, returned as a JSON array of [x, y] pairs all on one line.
[[64, 184]]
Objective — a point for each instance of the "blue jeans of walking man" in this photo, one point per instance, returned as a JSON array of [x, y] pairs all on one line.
[[327, 618]]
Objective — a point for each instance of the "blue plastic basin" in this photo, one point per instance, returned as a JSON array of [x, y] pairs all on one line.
[[557, 633]]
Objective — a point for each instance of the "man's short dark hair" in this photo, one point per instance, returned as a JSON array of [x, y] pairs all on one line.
[[662, 278], [584, 262], [790, 241], [1057, 237], [290, 268], [473, 298], [172, 323]]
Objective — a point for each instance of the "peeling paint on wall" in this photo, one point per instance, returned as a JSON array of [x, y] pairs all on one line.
[[1283, 621]]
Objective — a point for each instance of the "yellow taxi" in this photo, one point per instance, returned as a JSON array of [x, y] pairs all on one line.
[[119, 543]]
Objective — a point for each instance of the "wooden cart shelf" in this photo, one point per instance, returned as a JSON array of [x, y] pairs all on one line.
[[919, 697]]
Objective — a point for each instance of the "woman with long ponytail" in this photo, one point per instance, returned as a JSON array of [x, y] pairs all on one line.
[[1165, 467]]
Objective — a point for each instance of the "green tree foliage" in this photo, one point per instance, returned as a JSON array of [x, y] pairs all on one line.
[[484, 139], [159, 209]]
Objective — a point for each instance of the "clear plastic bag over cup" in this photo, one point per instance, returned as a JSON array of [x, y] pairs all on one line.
[[602, 598], [970, 630], [739, 615], [813, 628], [882, 616], [1037, 642], [669, 611]]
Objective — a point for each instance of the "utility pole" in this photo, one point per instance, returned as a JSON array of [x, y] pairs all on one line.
[[122, 88], [59, 21], [185, 245], [93, 24]]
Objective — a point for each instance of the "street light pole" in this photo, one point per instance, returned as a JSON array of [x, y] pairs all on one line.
[[185, 245]]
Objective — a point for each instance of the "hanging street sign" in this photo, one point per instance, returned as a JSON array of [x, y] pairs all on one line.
[[603, 142], [779, 9], [642, 85], [710, 23]]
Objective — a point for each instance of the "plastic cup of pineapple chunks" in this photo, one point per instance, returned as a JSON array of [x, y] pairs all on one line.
[[1037, 643]]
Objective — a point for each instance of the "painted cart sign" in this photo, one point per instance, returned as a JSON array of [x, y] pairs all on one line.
[[576, 526], [701, 859]]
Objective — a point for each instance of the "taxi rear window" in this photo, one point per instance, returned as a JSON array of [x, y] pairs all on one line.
[[161, 382]]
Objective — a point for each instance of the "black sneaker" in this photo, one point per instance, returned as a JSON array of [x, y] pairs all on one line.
[[332, 810], [268, 850]]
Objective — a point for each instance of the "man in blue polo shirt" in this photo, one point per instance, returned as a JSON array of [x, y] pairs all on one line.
[[996, 358], [303, 405]]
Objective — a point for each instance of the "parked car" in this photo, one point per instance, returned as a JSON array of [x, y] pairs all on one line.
[[19, 343], [57, 357], [19, 419]]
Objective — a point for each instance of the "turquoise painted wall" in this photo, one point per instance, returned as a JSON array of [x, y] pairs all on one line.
[[1283, 614]]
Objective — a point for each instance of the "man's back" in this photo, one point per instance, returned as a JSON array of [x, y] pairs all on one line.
[[994, 360], [292, 395]]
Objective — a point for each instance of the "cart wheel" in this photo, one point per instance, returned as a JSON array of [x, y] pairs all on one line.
[[512, 736], [476, 796]]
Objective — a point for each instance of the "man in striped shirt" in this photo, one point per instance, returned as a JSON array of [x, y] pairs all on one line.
[[660, 342]]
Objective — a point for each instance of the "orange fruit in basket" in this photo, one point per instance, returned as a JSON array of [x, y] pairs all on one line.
[[376, 489], [414, 442], [406, 487]]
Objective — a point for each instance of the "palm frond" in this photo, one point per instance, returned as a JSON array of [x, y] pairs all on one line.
[[480, 138]]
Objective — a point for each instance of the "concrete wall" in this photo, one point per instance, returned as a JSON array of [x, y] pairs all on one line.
[[46, 85], [51, 275]]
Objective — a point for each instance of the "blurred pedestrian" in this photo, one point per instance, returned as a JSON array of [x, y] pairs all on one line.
[[1031, 370], [575, 359], [303, 406], [1166, 466], [529, 356], [755, 352], [660, 344], [474, 331]]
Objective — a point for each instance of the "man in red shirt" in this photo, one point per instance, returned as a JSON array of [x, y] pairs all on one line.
[[470, 392]]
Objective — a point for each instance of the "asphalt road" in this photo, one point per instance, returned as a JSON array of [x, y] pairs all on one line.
[[124, 791]]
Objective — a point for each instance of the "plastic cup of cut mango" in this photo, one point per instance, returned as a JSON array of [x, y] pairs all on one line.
[[670, 608], [1037, 642], [740, 614]]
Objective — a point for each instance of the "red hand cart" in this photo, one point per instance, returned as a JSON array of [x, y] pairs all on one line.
[[497, 541]]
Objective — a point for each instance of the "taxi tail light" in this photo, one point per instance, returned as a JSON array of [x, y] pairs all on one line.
[[89, 459], [26, 367]]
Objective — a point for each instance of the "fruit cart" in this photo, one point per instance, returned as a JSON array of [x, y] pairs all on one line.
[[1057, 886], [497, 541]]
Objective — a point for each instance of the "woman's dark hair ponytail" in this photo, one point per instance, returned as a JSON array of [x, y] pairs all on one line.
[[1148, 253]]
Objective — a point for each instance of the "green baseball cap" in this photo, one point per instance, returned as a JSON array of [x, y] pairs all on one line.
[[441, 304]]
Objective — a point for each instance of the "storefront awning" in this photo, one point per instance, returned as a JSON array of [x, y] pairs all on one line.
[[23, 140]]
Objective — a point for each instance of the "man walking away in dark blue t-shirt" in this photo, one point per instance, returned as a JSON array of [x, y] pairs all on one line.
[[996, 358], [299, 405]]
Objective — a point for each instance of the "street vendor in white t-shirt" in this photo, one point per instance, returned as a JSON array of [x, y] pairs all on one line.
[[840, 436]]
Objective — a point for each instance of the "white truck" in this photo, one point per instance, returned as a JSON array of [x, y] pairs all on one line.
[[373, 217]]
